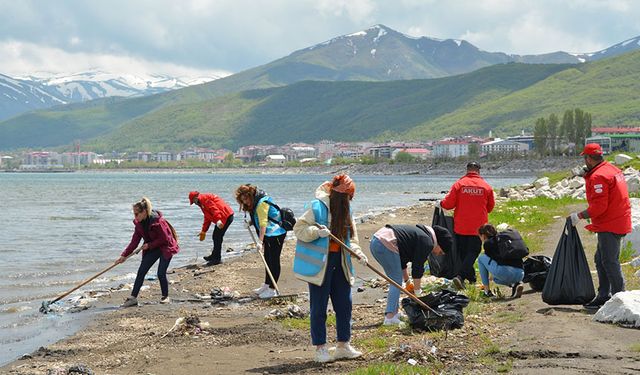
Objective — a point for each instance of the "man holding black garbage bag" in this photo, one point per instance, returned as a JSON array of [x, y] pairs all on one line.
[[610, 213], [472, 198]]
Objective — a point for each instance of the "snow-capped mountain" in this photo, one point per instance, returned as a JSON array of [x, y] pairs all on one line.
[[42, 90]]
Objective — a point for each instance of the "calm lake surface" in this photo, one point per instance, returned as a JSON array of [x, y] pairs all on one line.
[[61, 228]]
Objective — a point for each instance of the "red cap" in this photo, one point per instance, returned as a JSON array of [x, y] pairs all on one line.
[[592, 149], [192, 197]]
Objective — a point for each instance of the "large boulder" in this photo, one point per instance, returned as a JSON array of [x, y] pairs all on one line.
[[623, 308], [544, 181], [622, 158]]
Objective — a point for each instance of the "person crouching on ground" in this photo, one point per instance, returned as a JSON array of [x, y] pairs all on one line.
[[160, 242], [217, 211], [326, 266], [393, 246], [509, 272], [265, 218]]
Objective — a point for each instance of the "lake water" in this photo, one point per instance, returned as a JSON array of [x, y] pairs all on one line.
[[61, 228]]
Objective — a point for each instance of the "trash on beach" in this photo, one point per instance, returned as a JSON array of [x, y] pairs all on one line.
[[223, 295], [291, 311], [375, 283], [412, 362], [187, 326], [623, 309]]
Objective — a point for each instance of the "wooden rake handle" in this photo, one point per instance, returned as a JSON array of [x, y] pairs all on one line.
[[87, 281], [381, 274], [253, 237]]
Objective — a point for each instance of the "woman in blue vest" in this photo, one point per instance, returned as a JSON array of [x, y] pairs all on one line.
[[393, 246], [326, 266], [265, 218]]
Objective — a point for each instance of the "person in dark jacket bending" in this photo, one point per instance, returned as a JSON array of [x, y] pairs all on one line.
[[160, 242], [505, 271], [393, 246]]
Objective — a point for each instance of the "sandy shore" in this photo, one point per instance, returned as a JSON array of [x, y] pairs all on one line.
[[524, 335]]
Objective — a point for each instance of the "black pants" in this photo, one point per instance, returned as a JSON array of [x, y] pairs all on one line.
[[607, 260], [218, 236], [149, 257], [272, 250], [468, 248]]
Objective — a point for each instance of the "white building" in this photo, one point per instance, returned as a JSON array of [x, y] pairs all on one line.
[[502, 146], [276, 159], [451, 149]]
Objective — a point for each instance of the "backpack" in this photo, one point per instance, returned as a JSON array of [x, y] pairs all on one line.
[[511, 246], [287, 217]]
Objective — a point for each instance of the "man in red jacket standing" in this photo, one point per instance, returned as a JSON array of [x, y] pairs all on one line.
[[472, 198], [610, 213], [216, 211]]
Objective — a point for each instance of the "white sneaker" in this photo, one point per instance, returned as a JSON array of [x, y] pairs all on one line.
[[322, 354], [269, 293], [392, 321], [346, 352], [165, 300], [129, 302], [262, 288]]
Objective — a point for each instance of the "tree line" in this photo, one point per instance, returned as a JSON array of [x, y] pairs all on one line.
[[552, 137]]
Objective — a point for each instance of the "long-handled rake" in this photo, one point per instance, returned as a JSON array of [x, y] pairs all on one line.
[[381, 274], [45, 304]]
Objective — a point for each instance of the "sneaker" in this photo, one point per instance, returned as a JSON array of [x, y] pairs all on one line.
[[165, 300], [346, 352], [458, 283], [262, 288], [516, 290], [268, 293], [322, 354], [596, 303], [392, 321], [208, 258], [129, 302], [488, 294]]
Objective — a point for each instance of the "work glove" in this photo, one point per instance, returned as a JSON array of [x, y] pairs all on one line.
[[259, 247], [574, 218], [323, 231], [203, 235], [409, 287], [418, 292], [247, 224], [363, 258], [219, 224]]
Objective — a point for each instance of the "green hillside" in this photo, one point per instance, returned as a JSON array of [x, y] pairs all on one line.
[[311, 111], [608, 89]]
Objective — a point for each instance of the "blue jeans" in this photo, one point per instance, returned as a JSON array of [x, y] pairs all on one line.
[[390, 262], [503, 275], [336, 286]]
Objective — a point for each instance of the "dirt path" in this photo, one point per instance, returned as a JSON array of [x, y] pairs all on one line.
[[523, 336]]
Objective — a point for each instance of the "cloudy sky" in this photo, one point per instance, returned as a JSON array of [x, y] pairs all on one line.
[[204, 37]]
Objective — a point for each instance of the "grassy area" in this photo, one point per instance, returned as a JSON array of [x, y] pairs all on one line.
[[532, 216], [557, 176], [395, 369], [635, 347]]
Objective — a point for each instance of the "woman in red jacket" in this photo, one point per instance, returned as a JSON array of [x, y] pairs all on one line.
[[216, 211], [160, 242]]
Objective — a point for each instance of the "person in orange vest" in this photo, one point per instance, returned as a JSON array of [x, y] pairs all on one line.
[[610, 213], [472, 198], [216, 211]]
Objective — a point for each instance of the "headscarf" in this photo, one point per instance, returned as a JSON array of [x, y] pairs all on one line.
[[344, 185]]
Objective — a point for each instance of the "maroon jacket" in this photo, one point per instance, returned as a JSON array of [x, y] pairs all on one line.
[[156, 232]]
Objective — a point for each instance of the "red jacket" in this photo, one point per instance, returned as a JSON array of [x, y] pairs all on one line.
[[608, 198], [214, 208], [156, 233], [472, 198]]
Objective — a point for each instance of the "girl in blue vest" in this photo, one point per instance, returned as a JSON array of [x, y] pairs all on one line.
[[326, 266], [265, 218]]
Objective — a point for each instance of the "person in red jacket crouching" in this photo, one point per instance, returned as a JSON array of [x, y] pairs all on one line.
[[472, 198], [216, 211], [610, 213]]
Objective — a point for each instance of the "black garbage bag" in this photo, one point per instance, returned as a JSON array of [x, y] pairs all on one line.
[[445, 265], [536, 268], [569, 279], [445, 302]]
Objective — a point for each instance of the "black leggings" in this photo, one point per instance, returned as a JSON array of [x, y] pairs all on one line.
[[149, 257], [218, 236], [272, 250]]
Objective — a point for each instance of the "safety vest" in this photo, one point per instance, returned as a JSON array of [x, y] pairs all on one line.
[[311, 257], [273, 229]]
